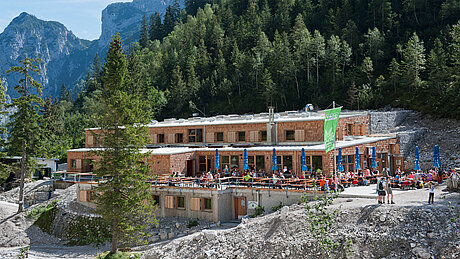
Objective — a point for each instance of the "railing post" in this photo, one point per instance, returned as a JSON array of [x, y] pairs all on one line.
[[269, 184], [287, 191]]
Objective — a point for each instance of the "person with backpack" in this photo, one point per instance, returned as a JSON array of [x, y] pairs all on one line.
[[381, 192]]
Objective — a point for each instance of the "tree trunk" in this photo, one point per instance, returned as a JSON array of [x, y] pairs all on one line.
[[23, 174], [114, 247]]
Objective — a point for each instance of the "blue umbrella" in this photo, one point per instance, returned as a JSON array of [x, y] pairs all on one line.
[[374, 158], [357, 166], [274, 161], [437, 162], [417, 166], [217, 159], [245, 158], [304, 161], [339, 161]]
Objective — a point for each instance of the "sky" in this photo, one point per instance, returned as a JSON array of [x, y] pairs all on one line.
[[82, 17]]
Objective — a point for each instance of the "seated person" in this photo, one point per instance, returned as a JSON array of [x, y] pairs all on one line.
[[396, 179]]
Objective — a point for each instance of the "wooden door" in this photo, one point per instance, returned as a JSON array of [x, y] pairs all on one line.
[[189, 172], [240, 206]]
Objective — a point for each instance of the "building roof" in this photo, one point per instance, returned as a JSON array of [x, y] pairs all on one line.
[[350, 142], [288, 116]]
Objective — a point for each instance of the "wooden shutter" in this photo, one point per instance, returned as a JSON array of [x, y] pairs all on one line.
[[154, 138], [169, 202], [231, 135], [83, 196], [340, 133], [254, 136], [299, 135], [195, 204], [90, 139], [170, 138], [78, 161], [210, 137]]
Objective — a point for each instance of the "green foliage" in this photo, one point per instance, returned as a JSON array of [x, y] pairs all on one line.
[[118, 255], [192, 223], [124, 197], [36, 212], [239, 56], [258, 211], [87, 230], [277, 207], [24, 252], [46, 219], [25, 124], [321, 220]]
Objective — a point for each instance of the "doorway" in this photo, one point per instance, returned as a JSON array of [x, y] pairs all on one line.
[[317, 162], [190, 169], [240, 208]]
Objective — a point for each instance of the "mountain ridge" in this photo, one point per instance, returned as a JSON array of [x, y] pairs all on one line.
[[66, 58]]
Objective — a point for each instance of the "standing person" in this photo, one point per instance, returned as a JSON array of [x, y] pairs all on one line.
[[454, 179], [431, 196], [381, 192], [389, 191]]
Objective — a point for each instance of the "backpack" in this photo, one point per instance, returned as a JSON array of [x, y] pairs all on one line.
[[380, 186]]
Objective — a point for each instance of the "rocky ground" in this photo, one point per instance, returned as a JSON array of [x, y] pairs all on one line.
[[408, 229], [425, 131]]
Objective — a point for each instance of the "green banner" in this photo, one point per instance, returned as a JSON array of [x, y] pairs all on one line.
[[330, 125]]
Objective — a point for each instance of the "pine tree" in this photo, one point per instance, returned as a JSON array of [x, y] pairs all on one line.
[[144, 38], [124, 198], [169, 21], [25, 132], [4, 172], [413, 62]]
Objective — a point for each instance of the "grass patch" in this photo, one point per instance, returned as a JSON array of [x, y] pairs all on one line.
[[36, 212]]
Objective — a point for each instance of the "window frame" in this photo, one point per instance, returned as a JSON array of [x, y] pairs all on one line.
[[289, 135], [179, 136], [241, 136], [161, 138], [219, 134]]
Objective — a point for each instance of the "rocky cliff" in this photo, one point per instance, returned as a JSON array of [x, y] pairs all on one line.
[[65, 57], [50, 41]]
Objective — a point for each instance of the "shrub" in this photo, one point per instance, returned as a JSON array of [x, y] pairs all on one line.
[[277, 207], [258, 211], [192, 223]]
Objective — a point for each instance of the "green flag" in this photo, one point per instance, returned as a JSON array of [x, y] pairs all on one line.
[[330, 125]]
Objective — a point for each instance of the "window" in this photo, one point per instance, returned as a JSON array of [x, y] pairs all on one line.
[[290, 135], [179, 138], [74, 163], [156, 199], [207, 204], [195, 135], [260, 162], [279, 163], [241, 136], [180, 202], [251, 164], [234, 162], [202, 163], [263, 135], [220, 137], [225, 161], [287, 162], [161, 138]]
